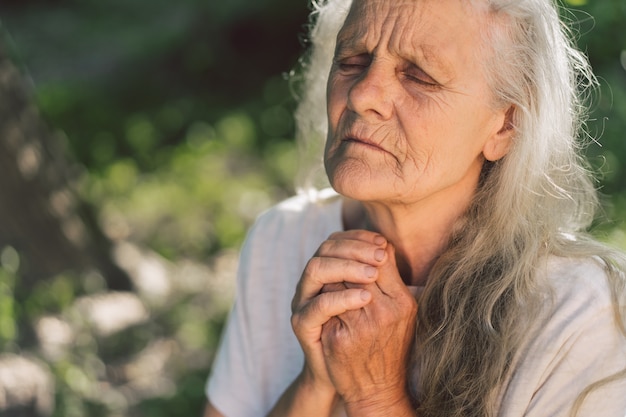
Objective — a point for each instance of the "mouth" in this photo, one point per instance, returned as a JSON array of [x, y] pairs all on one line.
[[364, 142]]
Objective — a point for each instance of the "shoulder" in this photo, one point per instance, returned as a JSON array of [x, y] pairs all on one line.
[[579, 283], [312, 202], [577, 295], [569, 274], [300, 214], [574, 341], [284, 238]]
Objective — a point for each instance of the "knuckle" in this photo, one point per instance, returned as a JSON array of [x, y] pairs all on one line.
[[322, 302], [334, 235], [296, 318], [326, 247], [313, 267], [364, 235], [297, 297]]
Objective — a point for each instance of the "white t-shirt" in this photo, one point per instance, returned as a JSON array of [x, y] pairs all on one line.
[[577, 342]]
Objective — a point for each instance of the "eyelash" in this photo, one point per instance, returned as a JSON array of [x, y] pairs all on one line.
[[348, 65], [420, 81]]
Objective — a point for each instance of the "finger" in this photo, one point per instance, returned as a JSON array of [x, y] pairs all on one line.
[[307, 321], [321, 271], [360, 235], [336, 287], [389, 280], [359, 250]]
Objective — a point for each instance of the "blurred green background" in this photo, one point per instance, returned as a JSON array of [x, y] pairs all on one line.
[[175, 119]]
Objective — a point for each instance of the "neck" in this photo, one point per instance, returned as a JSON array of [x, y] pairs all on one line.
[[418, 232]]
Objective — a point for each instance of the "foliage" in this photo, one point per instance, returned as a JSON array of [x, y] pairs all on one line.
[[608, 120], [204, 195], [179, 140], [597, 22], [178, 118]]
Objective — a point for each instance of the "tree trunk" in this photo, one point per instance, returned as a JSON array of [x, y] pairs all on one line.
[[40, 214]]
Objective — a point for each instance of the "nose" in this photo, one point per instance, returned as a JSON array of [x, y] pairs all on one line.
[[371, 95]]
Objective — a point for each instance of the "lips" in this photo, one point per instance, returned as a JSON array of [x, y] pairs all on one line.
[[363, 142]]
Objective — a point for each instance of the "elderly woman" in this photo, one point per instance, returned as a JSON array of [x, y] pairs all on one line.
[[449, 272]]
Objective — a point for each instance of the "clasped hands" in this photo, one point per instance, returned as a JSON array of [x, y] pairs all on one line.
[[355, 321]]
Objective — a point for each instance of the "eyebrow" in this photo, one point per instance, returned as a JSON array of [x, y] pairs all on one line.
[[428, 54], [346, 43], [424, 54]]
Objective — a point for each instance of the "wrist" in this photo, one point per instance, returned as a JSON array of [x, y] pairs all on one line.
[[305, 398], [316, 387], [383, 404]]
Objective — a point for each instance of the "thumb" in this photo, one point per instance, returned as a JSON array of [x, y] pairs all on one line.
[[391, 256], [389, 279]]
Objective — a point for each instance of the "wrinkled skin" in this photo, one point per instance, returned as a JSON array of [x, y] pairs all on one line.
[[411, 116], [411, 123], [355, 319]]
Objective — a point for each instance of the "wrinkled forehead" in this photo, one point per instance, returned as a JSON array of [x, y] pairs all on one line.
[[406, 18], [371, 9], [439, 31]]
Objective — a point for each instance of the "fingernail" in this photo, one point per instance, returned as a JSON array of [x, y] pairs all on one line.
[[379, 254], [379, 240], [365, 295], [370, 271]]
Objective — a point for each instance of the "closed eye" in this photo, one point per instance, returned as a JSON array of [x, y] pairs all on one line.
[[353, 64], [421, 80], [415, 74]]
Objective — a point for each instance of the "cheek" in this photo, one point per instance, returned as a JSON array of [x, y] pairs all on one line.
[[346, 175], [335, 106], [422, 138]]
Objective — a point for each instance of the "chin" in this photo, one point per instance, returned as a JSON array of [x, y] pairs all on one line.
[[359, 189], [359, 180]]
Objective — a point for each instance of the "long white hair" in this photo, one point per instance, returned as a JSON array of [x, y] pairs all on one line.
[[538, 200]]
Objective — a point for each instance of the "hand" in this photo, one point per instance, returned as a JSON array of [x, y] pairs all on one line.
[[367, 350], [346, 258]]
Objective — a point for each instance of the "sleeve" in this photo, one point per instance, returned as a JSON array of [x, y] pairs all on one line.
[[576, 345], [230, 386], [259, 355]]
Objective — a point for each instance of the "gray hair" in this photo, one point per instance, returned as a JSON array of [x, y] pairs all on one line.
[[537, 201], [327, 18]]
